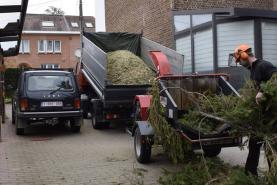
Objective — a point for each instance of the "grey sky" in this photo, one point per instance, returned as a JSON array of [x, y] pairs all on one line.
[[70, 7]]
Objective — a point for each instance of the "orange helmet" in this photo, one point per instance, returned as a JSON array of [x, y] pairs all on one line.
[[241, 52]]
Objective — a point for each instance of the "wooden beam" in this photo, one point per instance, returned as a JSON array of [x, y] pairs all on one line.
[[10, 9], [6, 39], [24, 4], [13, 30], [9, 33]]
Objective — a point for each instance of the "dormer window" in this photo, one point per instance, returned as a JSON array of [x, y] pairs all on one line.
[[74, 24], [89, 25], [47, 23]]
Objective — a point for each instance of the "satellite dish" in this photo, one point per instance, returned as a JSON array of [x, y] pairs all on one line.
[[78, 53]]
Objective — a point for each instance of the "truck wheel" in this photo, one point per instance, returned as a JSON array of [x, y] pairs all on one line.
[[75, 125], [212, 152], [96, 124], [142, 148], [19, 131], [85, 114]]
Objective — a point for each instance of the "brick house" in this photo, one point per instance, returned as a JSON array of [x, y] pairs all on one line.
[[154, 17], [50, 41]]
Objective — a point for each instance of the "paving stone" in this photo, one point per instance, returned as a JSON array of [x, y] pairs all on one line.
[[99, 157]]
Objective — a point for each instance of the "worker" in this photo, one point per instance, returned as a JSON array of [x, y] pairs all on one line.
[[260, 71]]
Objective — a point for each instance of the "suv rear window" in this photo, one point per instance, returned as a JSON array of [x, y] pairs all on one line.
[[49, 82]]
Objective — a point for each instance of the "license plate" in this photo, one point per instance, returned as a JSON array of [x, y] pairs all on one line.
[[52, 104]]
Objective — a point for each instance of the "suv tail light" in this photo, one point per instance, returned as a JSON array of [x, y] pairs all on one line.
[[23, 104], [77, 103]]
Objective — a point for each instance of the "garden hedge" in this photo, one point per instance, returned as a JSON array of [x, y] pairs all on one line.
[[11, 77]]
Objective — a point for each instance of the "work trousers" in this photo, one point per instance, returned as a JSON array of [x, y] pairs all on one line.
[[252, 161]]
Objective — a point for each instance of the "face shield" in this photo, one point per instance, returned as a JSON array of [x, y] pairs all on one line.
[[232, 62]]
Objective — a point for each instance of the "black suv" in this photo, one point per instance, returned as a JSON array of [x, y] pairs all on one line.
[[46, 96]]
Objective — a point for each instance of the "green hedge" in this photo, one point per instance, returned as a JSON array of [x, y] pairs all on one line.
[[11, 78]]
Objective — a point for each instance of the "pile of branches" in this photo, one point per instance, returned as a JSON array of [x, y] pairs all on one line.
[[246, 118], [125, 68], [216, 172], [215, 105], [243, 113]]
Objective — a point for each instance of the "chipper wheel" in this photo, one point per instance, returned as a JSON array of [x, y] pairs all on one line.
[[142, 147], [212, 152]]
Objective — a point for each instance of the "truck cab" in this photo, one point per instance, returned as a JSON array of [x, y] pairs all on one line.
[[46, 97]]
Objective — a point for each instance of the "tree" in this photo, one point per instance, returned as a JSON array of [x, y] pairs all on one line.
[[54, 11]]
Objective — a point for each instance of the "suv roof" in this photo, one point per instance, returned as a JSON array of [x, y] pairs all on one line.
[[47, 71]]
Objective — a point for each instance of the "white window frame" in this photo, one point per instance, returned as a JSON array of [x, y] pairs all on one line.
[[22, 48], [74, 24], [60, 50], [269, 41], [50, 66], [47, 24], [89, 25], [232, 34], [52, 46], [44, 46]]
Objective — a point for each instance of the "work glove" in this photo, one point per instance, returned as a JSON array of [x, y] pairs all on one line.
[[259, 97]]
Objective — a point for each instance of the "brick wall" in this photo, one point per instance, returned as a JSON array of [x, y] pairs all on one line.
[[275, 4], [154, 16], [66, 59], [151, 16]]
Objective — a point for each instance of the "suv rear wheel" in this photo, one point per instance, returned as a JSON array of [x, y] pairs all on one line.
[[13, 112], [18, 121]]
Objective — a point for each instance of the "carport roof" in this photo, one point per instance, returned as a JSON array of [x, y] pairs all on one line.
[[11, 30]]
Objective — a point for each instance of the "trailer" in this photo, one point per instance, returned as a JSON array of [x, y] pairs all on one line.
[[175, 100], [104, 101]]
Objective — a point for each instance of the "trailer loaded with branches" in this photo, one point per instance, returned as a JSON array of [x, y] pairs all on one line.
[[173, 97]]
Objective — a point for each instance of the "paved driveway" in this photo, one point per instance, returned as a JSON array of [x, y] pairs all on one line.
[[54, 155]]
